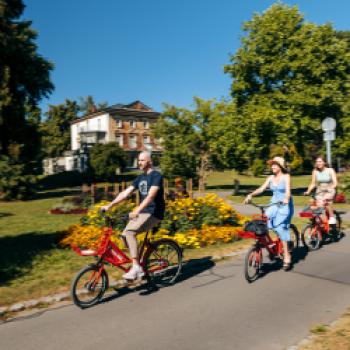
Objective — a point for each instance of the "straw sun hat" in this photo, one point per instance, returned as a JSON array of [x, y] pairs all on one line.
[[279, 161]]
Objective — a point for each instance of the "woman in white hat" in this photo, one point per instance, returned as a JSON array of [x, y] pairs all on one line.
[[279, 215]]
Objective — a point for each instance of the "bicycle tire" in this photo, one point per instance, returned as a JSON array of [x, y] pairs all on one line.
[[163, 262], [294, 238], [251, 264], [336, 235], [80, 296], [315, 242]]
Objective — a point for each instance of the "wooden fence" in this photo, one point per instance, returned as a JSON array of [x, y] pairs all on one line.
[[110, 191]]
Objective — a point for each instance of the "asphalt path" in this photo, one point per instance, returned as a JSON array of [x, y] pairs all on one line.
[[211, 307]]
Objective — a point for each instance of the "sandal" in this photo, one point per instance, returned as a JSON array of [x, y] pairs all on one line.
[[286, 265]]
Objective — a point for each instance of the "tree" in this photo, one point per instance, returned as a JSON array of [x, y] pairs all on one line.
[[287, 76], [24, 80], [105, 159], [55, 129], [87, 105], [188, 147]]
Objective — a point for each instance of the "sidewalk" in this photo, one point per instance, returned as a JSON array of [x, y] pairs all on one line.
[[247, 209]]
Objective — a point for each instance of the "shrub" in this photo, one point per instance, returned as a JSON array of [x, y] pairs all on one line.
[[105, 159], [258, 167], [14, 184], [193, 223]]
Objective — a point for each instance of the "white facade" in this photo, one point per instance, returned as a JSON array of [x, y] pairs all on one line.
[[97, 123]]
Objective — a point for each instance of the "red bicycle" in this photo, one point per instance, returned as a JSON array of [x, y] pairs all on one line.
[[257, 229], [160, 259], [318, 230]]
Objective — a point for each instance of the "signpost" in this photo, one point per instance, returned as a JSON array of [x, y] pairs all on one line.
[[328, 126]]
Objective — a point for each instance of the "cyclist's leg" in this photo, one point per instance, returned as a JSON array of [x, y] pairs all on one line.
[[142, 223], [284, 234]]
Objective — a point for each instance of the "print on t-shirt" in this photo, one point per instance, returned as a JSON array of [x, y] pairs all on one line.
[[143, 188]]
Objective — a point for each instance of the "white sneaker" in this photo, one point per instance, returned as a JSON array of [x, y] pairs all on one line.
[[135, 272], [332, 220]]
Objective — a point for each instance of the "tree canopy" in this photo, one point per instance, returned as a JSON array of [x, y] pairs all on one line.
[[287, 76]]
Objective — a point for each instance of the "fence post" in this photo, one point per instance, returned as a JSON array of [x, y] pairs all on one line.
[[106, 190], [190, 188], [93, 192], [166, 188], [116, 188]]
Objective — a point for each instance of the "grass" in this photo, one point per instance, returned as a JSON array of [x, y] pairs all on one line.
[[224, 180], [334, 337], [31, 263]]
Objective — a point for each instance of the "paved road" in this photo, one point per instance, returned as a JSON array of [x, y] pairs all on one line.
[[213, 307]]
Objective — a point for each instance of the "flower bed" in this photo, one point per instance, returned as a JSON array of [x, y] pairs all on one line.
[[193, 223]]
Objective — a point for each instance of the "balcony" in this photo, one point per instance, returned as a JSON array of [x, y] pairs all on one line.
[[90, 138]]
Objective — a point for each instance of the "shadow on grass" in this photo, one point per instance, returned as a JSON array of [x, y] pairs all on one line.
[[4, 215], [190, 269], [18, 252], [57, 193]]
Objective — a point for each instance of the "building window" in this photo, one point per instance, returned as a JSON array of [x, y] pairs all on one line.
[[147, 142], [146, 124], [120, 140], [132, 141], [119, 123], [133, 124]]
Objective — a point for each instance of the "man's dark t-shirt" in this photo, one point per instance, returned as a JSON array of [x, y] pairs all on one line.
[[143, 183]]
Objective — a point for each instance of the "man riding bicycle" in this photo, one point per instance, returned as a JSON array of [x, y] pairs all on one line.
[[146, 215]]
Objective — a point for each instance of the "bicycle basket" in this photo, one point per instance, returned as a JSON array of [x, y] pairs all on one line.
[[259, 227]]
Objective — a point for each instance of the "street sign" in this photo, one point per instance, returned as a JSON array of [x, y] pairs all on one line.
[[328, 124], [329, 136]]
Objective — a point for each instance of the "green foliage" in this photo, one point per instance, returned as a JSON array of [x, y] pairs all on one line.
[[287, 76], [189, 139], [118, 213], [13, 184], [258, 167], [24, 81], [87, 105], [105, 159], [56, 128]]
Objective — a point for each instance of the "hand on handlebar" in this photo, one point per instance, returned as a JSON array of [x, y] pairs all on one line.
[[104, 208], [247, 199]]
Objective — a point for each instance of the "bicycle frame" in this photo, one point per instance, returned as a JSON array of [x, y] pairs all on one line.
[[109, 252], [273, 246]]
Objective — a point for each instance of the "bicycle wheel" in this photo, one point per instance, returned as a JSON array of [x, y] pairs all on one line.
[[294, 238], [252, 264], [311, 237], [336, 234], [89, 286], [163, 262]]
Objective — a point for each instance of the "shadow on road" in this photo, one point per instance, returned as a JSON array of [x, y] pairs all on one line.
[[298, 254], [190, 269]]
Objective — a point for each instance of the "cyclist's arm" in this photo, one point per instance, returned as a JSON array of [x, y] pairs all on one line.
[[261, 189], [120, 197], [148, 200], [313, 183], [334, 178]]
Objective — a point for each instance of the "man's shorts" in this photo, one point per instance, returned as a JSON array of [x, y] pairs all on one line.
[[142, 223]]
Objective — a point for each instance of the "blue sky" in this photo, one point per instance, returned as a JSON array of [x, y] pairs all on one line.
[[157, 51]]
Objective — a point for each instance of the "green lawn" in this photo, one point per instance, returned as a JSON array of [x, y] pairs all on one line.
[[225, 179]]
